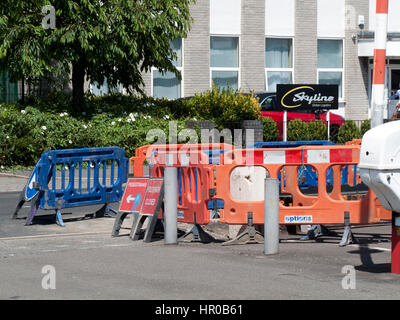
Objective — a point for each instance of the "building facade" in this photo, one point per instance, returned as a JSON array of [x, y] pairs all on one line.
[[256, 44]]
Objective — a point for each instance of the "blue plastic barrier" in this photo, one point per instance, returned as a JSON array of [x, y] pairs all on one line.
[[71, 191]]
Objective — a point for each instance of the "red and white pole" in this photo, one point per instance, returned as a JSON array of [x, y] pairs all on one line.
[[378, 78]]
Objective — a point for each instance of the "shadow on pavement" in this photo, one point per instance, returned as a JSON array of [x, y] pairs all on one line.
[[368, 264]]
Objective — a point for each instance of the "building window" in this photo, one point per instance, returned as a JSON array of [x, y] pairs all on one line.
[[278, 62], [166, 84], [104, 89], [330, 63], [224, 62]]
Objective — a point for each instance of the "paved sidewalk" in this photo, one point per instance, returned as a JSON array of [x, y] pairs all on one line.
[[10, 182]]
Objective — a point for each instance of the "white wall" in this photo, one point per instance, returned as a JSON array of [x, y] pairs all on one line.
[[331, 19], [393, 17], [225, 17], [366, 49], [279, 18]]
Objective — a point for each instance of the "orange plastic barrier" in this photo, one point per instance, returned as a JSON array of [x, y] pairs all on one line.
[[324, 207], [194, 180], [354, 142], [143, 154]]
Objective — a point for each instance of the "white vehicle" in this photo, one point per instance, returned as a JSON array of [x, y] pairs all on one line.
[[380, 163]]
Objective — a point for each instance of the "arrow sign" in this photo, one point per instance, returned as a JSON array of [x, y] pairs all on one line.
[[130, 198], [133, 195], [30, 191]]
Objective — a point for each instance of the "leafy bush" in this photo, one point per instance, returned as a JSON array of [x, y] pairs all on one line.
[[27, 130], [317, 130], [365, 126], [26, 134], [270, 130], [348, 131], [297, 130], [114, 105], [224, 106]]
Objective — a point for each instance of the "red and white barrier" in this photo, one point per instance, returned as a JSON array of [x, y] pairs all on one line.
[[297, 156]]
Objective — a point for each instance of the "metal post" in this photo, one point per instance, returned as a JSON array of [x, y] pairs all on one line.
[[328, 120], [171, 209], [285, 126], [271, 216]]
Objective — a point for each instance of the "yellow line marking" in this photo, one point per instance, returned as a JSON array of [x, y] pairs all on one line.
[[56, 235]]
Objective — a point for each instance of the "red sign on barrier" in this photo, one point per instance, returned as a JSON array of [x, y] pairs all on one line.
[[152, 197], [133, 195]]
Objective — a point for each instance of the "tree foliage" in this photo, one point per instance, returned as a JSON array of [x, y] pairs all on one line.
[[116, 39]]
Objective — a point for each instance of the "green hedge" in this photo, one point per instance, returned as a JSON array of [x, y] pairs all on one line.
[[30, 129], [219, 105], [224, 106], [26, 134], [117, 120], [270, 130], [348, 131], [298, 130]]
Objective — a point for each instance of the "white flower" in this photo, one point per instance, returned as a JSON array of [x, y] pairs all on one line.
[[44, 127], [132, 118], [84, 126], [23, 111], [62, 114], [112, 123], [166, 117], [129, 120], [90, 125], [8, 137], [194, 119], [70, 141], [119, 120], [2, 167]]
